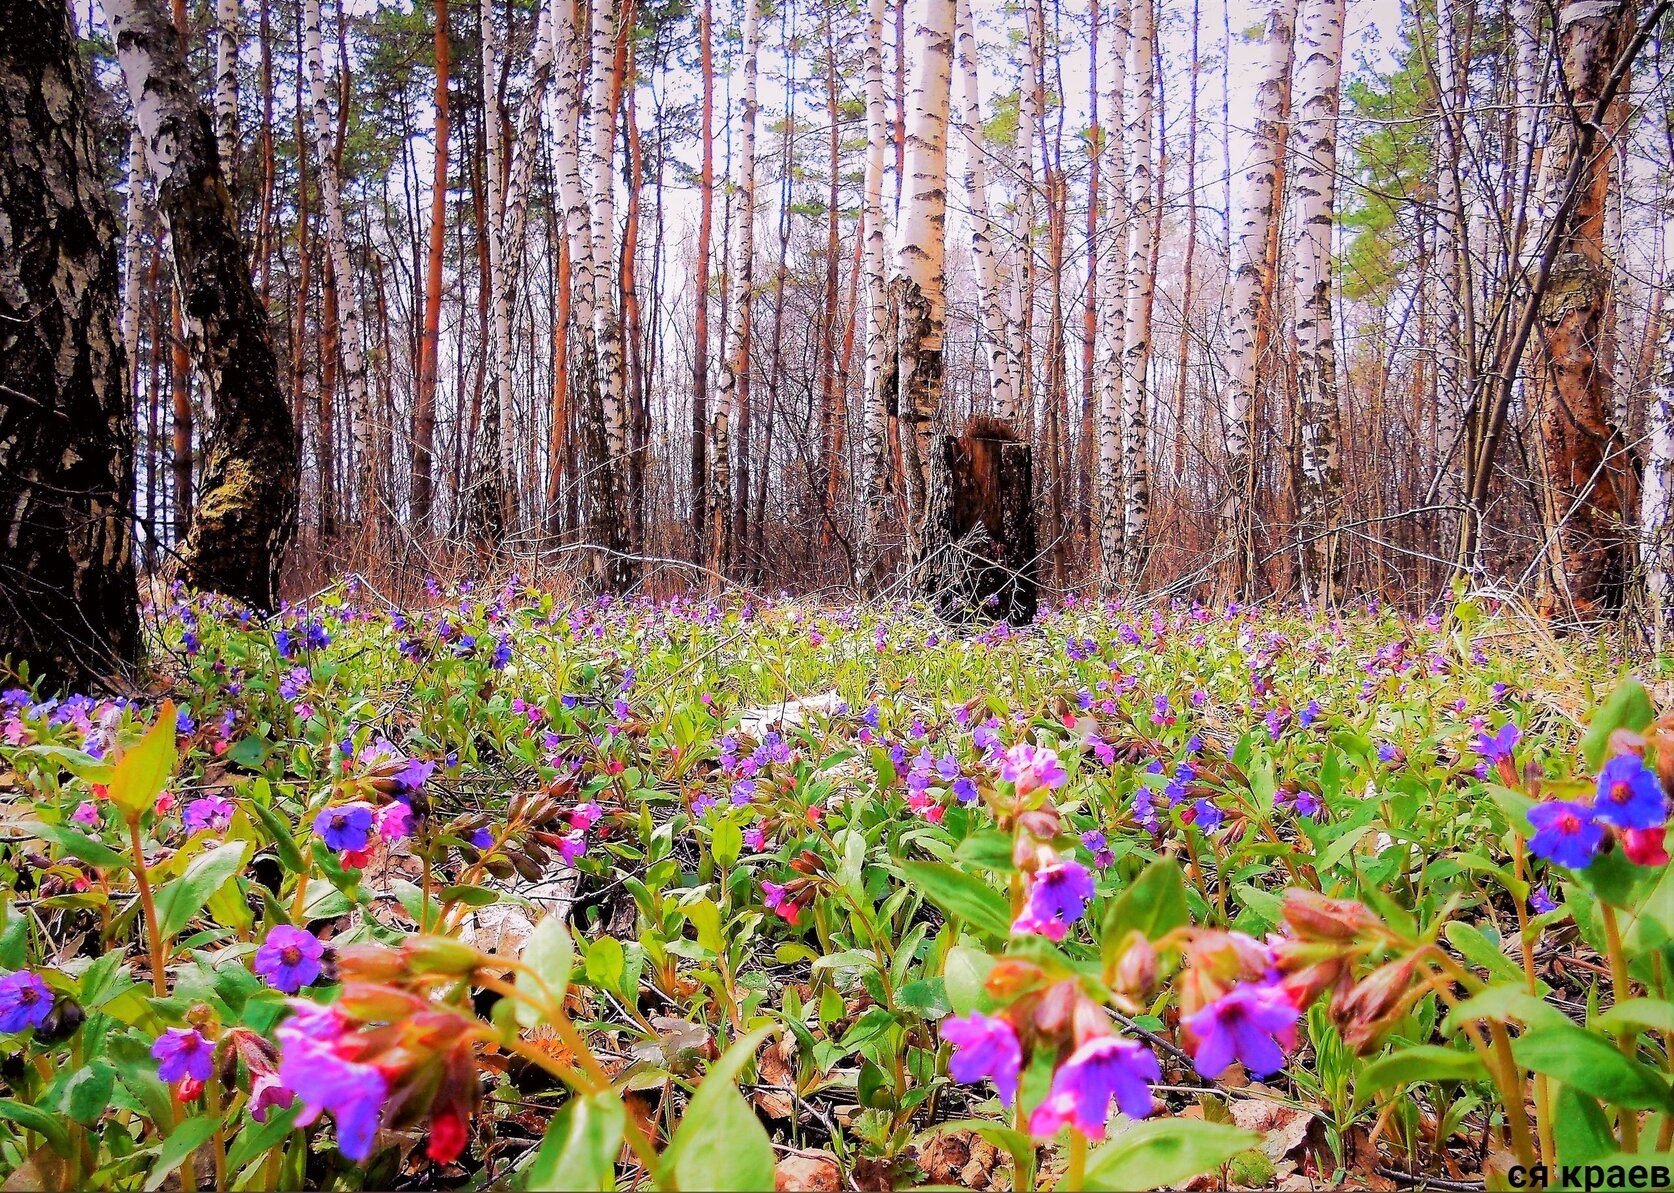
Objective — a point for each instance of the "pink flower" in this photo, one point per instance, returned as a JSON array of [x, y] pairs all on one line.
[[1646, 846], [1029, 767], [86, 814], [394, 821], [585, 816]]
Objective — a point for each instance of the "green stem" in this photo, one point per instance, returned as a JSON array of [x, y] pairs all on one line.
[[1622, 988], [1075, 1177]]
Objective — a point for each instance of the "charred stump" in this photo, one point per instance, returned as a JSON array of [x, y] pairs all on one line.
[[976, 555]]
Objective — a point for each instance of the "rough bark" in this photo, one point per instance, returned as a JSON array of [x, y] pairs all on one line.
[[226, 84], [979, 507], [246, 512], [1588, 479], [1318, 76], [918, 298], [424, 401], [733, 386], [1141, 181], [68, 605], [1112, 266], [876, 447]]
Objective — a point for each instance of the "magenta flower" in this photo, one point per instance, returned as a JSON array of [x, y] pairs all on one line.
[[267, 1092], [1102, 1069], [208, 812], [1058, 896], [25, 1001], [394, 821], [984, 1047], [1254, 1023], [1029, 767], [289, 958], [183, 1053], [86, 814], [352, 1093]]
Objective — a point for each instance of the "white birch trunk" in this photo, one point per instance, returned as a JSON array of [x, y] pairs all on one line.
[[133, 225], [1319, 57], [1140, 183], [1023, 210], [1450, 347], [1112, 322], [1003, 363], [918, 294], [1255, 210], [226, 82], [735, 362], [1656, 494], [342, 265], [875, 252]]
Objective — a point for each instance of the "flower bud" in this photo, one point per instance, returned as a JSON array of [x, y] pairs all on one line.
[[1315, 917], [1056, 1009], [1041, 823], [440, 955], [1375, 1003], [1010, 977], [369, 963], [1136, 971], [371, 1003]]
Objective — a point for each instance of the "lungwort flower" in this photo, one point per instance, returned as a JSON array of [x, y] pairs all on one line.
[[1630, 795], [1058, 895], [984, 1048], [1254, 1023], [25, 1001], [1566, 833], [1103, 1069], [289, 959]]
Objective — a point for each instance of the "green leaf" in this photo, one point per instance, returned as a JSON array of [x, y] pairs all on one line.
[[961, 895], [43, 1123], [1421, 1063], [579, 1148], [720, 1143], [1579, 1127], [1592, 1065], [550, 953], [726, 843], [1153, 906], [1638, 1014], [606, 963], [1165, 1152], [185, 1139], [207, 873], [144, 768], [1479, 950], [1500, 1004], [79, 845], [86, 1094], [706, 918], [284, 843], [964, 972], [1628, 707], [988, 849]]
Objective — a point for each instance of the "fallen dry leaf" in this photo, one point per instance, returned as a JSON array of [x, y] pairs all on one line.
[[1282, 1128], [807, 1172]]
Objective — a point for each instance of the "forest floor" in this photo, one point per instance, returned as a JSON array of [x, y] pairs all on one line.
[[504, 890]]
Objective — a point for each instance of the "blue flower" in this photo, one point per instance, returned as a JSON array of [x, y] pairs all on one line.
[[345, 827], [1494, 747], [1630, 794], [1566, 833], [25, 1001]]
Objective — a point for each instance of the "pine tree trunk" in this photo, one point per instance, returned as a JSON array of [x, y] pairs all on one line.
[[70, 609], [246, 514], [1586, 463], [1319, 71]]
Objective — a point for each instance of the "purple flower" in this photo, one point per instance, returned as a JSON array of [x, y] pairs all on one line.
[[1102, 1069], [1540, 902], [208, 812], [25, 1001], [1630, 794], [1253, 1023], [345, 827], [1058, 895], [182, 1052], [289, 958], [1496, 746], [351, 1093], [86, 814], [984, 1047], [1096, 844], [413, 775], [1207, 816], [1566, 833], [1029, 766], [394, 821]]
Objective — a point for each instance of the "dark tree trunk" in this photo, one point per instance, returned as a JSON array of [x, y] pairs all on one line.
[[68, 605], [976, 557], [246, 511]]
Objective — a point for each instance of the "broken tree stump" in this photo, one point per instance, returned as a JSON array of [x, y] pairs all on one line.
[[976, 554]]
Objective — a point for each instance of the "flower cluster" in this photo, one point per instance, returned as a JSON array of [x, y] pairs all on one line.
[[1629, 806]]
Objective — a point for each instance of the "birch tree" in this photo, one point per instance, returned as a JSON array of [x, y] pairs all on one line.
[[875, 251], [1449, 373], [246, 513], [68, 607], [998, 345], [490, 505], [735, 365], [226, 82], [349, 341], [1656, 495], [1112, 284], [1318, 77], [1141, 182], [1256, 211], [918, 299]]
